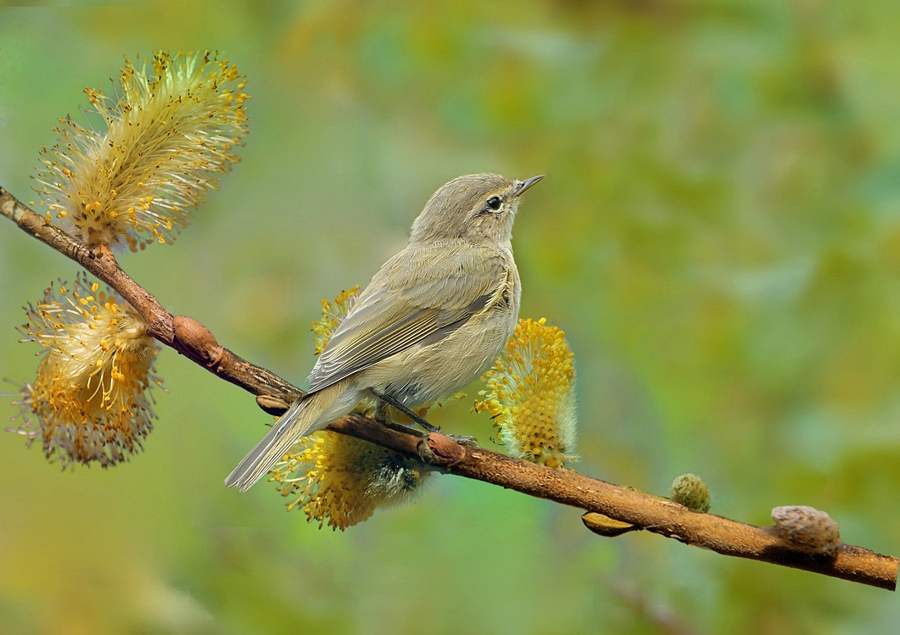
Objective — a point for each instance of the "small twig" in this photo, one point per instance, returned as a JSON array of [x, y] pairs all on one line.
[[567, 487]]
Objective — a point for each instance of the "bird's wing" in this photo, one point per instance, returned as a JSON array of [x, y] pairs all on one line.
[[414, 298]]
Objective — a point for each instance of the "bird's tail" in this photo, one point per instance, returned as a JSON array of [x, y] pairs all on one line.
[[306, 415]]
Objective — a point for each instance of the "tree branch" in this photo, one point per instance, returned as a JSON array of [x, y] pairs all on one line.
[[635, 510]]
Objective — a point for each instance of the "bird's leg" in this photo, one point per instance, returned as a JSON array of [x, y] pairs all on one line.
[[384, 398], [381, 411], [381, 416]]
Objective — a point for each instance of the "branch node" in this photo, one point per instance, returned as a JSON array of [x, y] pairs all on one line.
[[441, 450], [197, 342], [102, 252], [271, 404], [605, 526], [807, 529]]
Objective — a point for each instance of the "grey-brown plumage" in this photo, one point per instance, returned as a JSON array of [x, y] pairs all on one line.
[[432, 319]]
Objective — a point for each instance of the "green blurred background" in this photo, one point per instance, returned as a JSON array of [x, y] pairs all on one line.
[[718, 234]]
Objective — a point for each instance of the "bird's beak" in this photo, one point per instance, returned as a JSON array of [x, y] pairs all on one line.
[[521, 186]]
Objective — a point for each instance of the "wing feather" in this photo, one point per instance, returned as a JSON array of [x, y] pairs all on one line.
[[420, 295]]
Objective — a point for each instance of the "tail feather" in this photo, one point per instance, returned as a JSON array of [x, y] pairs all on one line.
[[312, 412]]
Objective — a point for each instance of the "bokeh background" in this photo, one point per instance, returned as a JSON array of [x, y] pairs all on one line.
[[718, 234]]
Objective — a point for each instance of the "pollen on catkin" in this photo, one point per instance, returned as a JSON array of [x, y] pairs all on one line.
[[340, 481], [165, 137], [90, 401], [530, 394]]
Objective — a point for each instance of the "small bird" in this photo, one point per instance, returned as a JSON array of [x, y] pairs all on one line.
[[432, 319]]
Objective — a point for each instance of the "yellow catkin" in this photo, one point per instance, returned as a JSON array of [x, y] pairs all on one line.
[[530, 394], [340, 481], [90, 400], [165, 138]]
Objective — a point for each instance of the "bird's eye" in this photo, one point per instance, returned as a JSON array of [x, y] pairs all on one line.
[[494, 203]]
